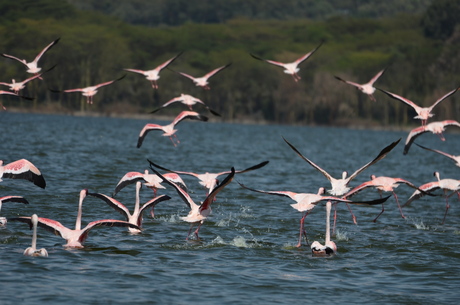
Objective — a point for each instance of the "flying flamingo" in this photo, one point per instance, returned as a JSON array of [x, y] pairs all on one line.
[[154, 75], [423, 113], [434, 127], [75, 237], [203, 81], [198, 213], [209, 180], [290, 68], [367, 88], [19, 199], [186, 100], [33, 65], [11, 93], [22, 169], [32, 250], [91, 91], [18, 86], [329, 248], [136, 216], [168, 130], [382, 184], [340, 186], [305, 202], [456, 159], [447, 185]]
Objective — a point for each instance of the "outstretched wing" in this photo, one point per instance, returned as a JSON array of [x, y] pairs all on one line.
[[24, 169], [210, 198]]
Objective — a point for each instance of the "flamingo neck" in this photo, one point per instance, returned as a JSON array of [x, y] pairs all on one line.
[[34, 235], [136, 206], [328, 220], [79, 214]]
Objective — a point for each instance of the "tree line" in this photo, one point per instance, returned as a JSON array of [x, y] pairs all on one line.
[[95, 48]]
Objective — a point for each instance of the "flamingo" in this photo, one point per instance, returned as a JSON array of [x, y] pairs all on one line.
[[188, 100], [447, 185], [203, 81], [154, 75], [329, 248], [198, 213], [22, 169], [168, 130], [382, 184], [32, 250], [340, 186], [2, 92], [209, 180], [423, 113], [90, 91], [136, 216], [19, 199], [18, 86], [434, 127], [456, 159], [367, 88], [33, 65], [290, 68], [305, 202], [75, 238]]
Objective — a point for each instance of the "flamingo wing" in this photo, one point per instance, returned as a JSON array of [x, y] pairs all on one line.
[[24, 169], [187, 75], [153, 202], [182, 193], [380, 156], [348, 82], [376, 77], [358, 189], [215, 71], [413, 134], [276, 63], [402, 99], [189, 115], [105, 223], [278, 193], [210, 198], [37, 58], [326, 174], [117, 205], [135, 71], [437, 151], [19, 199], [127, 179], [166, 63], [15, 58], [50, 225], [303, 58], [444, 97], [147, 128], [422, 191], [257, 166], [168, 170], [110, 82]]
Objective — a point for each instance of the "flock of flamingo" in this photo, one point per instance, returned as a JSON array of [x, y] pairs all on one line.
[[340, 190]]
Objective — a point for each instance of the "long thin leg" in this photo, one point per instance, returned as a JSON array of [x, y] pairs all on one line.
[[189, 231], [447, 208], [302, 230], [399, 206]]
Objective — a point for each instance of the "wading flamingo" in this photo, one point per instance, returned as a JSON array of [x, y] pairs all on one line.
[[382, 184], [367, 88], [2, 92], [186, 100], [329, 248], [290, 68], [136, 216], [32, 67], [209, 180], [19, 199], [198, 213], [305, 202], [154, 75], [456, 159], [75, 237], [168, 130], [22, 169], [32, 250], [447, 185], [91, 91], [423, 113], [340, 186], [435, 127], [203, 81]]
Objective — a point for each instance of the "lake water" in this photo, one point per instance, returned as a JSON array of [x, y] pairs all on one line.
[[247, 253]]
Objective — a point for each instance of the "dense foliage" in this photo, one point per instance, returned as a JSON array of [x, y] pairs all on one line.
[[95, 48]]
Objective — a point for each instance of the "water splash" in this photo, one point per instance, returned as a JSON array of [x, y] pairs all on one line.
[[341, 236]]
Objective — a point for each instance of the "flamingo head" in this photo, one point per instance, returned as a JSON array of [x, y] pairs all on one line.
[[344, 175]]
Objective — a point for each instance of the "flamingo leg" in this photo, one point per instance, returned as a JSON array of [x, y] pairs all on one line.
[[152, 212], [198, 229], [383, 209], [399, 206], [189, 231], [302, 230], [447, 208], [441, 136]]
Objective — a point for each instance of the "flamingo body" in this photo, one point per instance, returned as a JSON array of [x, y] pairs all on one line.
[[203, 81], [367, 88], [32, 250]]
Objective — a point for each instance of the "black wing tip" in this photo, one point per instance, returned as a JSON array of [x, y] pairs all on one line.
[[214, 112]]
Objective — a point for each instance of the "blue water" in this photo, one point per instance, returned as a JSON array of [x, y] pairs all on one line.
[[247, 253]]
